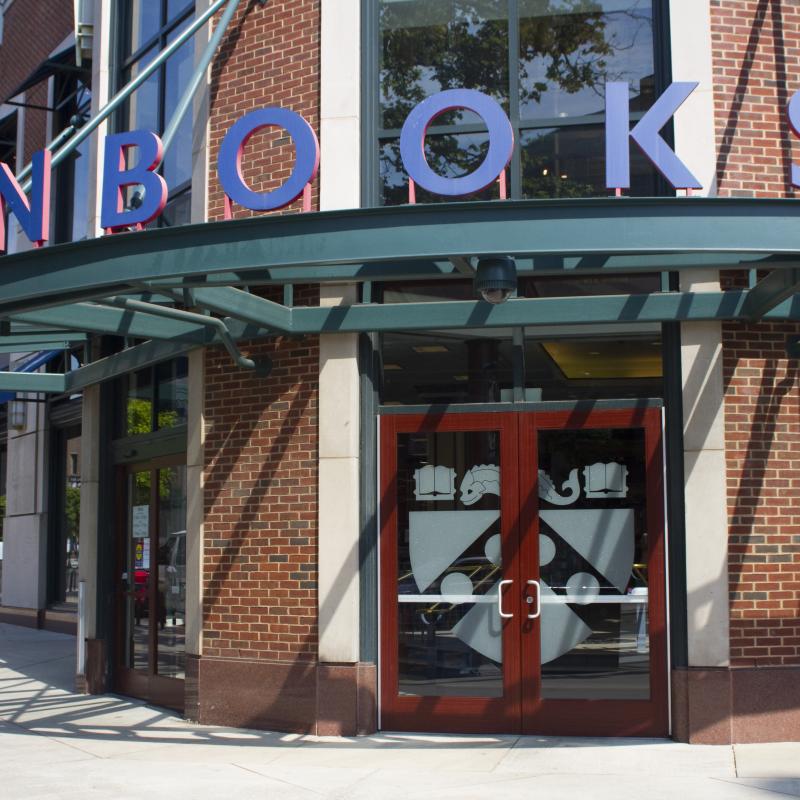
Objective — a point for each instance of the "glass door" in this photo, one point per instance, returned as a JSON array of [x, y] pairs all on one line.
[[449, 579], [594, 639], [152, 582], [522, 573]]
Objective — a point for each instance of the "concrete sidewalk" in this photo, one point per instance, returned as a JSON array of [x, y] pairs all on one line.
[[56, 744]]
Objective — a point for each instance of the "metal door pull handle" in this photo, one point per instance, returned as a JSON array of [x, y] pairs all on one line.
[[538, 599], [500, 599]]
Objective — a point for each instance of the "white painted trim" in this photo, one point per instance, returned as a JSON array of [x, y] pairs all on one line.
[[102, 84], [339, 401], [701, 361], [695, 143], [340, 104], [195, 505]]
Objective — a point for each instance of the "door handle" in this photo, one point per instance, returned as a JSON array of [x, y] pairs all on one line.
[[500, 599], [538, 611]]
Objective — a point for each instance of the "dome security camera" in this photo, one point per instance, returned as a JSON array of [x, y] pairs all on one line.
[[496, 278]]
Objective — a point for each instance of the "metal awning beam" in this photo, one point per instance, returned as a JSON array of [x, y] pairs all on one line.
[[596, 232], [212, 324], [49, 382], [770, 292], [131, 359], [530, 312], [245, 307], [545, 311], [546, 266], [527, 312], [115, 321]]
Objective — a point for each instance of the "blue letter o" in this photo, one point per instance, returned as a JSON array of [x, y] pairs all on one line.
[[229, 162], [412, 142]]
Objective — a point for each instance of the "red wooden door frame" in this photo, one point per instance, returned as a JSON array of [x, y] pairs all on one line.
[[449, 714], [521, 709], [597, 717]]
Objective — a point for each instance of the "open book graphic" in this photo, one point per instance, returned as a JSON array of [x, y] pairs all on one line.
[[435, 483], [606, 480]]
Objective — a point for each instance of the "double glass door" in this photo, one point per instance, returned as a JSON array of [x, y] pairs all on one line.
[[151, 588], [522, 573]]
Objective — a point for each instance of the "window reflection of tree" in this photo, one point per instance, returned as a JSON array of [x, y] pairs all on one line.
[[467, 51], [566, 47], [579, 40]]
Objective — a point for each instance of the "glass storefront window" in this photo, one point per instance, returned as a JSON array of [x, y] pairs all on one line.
[[156, 398], [568, 50], [431, 45], [144, 20], [449, 156], [139, 403], [171, 394], [148, 26], [545, 61], [567, 162], [172, 571], [441, 367], [558, 363]]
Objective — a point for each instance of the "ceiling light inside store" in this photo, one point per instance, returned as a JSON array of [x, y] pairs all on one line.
[[609, 358], [430, 348]]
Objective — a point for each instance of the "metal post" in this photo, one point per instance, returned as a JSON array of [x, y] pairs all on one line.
[[199, 74], [122, 95], [81, 627]]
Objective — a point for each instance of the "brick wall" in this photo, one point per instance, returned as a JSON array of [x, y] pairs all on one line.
[[260, 565], [260, 560], [762, 423], [270, 57], [756, 69]]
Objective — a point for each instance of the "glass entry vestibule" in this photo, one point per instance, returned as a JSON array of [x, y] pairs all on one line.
[[522, 572]]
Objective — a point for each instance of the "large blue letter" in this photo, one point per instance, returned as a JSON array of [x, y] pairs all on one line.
[[646, 134], [306, 163], [34, 217], [412, 142], [116, 177]]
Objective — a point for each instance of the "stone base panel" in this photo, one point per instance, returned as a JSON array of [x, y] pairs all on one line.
[[296, 697], [739, 705]]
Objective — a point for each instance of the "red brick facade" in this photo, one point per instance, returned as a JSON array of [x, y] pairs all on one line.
[[269, 57], [756, 52], [260, 568], [260, 560]]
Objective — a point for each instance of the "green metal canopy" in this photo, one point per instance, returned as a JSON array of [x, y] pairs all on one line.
[[136, 284]]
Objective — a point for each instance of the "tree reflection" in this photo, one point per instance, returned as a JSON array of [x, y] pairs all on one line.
[[566, 47]]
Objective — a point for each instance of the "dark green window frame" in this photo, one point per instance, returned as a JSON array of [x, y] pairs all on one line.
[[179, 194]]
